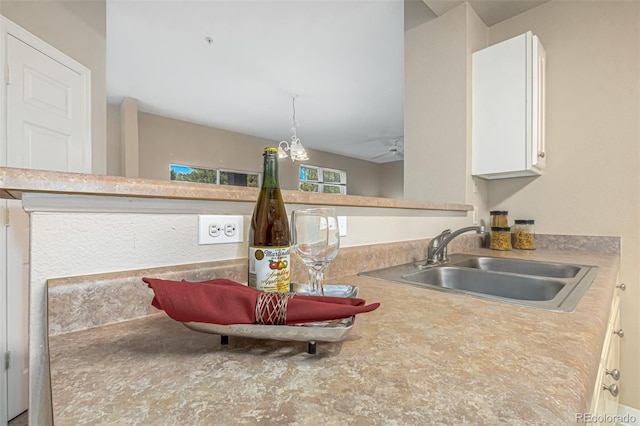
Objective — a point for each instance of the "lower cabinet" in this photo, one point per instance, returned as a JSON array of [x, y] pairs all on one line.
[[604, 403]]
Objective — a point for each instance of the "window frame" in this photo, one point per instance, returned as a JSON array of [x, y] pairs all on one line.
[[320, 183], [218, 172]]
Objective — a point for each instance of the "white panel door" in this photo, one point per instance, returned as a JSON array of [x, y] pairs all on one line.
[[47, 128], [17, 307], [44, 114]]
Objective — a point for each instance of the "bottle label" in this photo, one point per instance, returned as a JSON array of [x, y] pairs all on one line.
[[269, 268]]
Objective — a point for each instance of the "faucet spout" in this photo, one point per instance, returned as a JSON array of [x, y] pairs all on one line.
[[437, 250]]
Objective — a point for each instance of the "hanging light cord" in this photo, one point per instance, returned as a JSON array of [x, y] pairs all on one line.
[[293, 124], [295, 148]]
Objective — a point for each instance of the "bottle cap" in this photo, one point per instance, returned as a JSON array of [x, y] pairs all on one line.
[[270, 150], [525, 221], [500, 229], [498, 213]]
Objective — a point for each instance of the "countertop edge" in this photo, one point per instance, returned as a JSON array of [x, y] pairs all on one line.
[[14, 182]]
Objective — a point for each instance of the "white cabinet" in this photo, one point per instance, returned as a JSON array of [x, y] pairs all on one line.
[[508, 84], [604, 403]]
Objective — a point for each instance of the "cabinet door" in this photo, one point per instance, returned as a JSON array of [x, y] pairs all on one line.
[[508, 108], [537, 159], [604, 403], [612, 362]]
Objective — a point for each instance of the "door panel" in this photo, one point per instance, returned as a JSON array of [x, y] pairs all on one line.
[[46, 129], [17, 307], [44, 92], [45, 148], [44, 122]]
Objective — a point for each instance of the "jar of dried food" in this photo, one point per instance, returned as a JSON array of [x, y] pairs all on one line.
[[500, 238], [524, 234], [499, 218]]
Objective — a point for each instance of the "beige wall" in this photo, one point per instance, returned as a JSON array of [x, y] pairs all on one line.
[[363, 177], [437, 164], [435, 109], [163, 141], [392, 180], [592, 181], [113, 141], [476, 188], [78, 29]]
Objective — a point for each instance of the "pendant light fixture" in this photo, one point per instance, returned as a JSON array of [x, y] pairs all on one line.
[[295, 148]]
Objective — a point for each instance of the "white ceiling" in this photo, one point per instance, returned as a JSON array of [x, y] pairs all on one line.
[[344, 59], [490, 11]]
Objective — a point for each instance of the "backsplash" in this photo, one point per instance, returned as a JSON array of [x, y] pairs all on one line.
[[88, 301], [81, 302], [589, 243]]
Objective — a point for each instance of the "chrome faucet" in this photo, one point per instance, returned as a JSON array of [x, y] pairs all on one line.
[[436, 244], [437, 249]]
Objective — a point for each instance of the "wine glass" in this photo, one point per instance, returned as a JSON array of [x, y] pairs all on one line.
[[316, 239]]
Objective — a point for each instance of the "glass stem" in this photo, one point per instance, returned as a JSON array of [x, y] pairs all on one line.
[[316, 281]]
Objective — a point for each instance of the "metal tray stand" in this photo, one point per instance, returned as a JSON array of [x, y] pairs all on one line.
[[326, 331]]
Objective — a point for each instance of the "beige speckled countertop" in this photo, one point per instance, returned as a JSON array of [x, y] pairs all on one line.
[[14, 182], [424, 357]]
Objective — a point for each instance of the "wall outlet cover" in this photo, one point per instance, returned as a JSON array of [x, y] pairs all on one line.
[[220, 229], [342, 225]]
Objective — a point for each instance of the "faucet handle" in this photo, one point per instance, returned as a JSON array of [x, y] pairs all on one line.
[[435, 241]]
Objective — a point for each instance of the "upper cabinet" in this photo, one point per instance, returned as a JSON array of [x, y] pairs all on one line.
[[508, 83]]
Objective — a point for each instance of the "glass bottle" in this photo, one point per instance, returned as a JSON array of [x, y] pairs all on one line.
[[269, 236]]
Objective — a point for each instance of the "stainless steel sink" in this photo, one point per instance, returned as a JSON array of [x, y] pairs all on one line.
[[545, 285], [517, 266], [469, 280]]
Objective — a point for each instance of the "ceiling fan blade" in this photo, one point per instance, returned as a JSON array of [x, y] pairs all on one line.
[[384, 140], [379, 156], [393, 142]]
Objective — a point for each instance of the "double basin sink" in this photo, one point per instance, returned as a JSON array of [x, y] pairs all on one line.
[[545, 285]]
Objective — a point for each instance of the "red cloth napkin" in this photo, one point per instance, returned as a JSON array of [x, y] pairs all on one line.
[[225, 302]]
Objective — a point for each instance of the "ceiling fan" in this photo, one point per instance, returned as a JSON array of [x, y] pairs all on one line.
[[395, 148]]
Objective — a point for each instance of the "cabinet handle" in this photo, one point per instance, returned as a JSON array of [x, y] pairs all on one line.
[[622, 286], [619, 332], [541, 154], [615, 373], [613, 389]]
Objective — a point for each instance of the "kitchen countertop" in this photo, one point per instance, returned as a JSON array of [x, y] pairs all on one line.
[[42, 191], [15, 182], [423, 357]]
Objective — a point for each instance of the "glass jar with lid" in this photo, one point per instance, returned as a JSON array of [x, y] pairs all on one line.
[[499, 218], [524, 234], [500, 238]]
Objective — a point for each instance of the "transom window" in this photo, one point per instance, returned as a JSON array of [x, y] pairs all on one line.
[[214, 176], [323, 180]]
